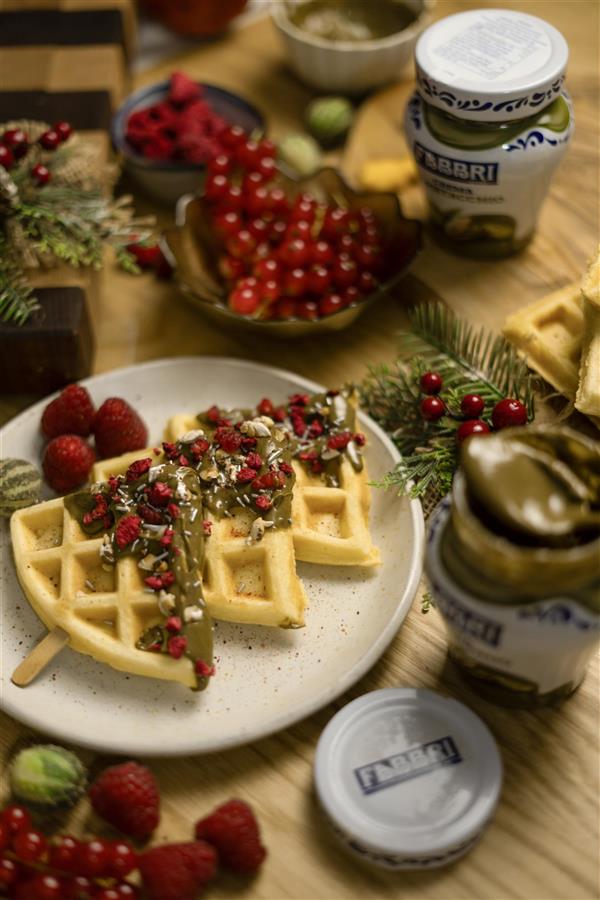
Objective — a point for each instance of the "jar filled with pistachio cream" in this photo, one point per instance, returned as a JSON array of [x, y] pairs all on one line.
[[513, 561], [488, 124]]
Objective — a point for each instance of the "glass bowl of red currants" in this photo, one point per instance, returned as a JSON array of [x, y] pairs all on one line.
[[263, 252]]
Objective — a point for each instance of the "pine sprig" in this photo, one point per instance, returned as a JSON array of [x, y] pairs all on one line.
[[17, 302], [469, 360]]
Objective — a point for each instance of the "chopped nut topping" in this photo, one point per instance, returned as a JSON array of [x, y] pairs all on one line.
[[209, 474], [257, 530], [190, 436], [166, 602], [147, 562]]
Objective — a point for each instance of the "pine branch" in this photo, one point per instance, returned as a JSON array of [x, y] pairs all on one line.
[[17, 302]]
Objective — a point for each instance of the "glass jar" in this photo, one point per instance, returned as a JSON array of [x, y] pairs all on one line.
[[488, 124], [521, 608]]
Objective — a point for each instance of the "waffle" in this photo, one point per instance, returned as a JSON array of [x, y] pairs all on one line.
[[254, 584], [330, 525], [587, 399], [104, 611]]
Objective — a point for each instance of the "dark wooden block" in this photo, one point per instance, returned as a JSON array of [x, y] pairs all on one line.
[[83, 109], [53, 26], [53, 348]]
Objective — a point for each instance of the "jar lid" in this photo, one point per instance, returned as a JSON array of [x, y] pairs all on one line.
[[408, 778], [491, 65]]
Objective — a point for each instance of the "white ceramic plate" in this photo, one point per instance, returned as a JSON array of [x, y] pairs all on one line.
[[267, 679]]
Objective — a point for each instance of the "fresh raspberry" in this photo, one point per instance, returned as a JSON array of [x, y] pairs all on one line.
[[233, 830], [67, 462], [182, 89], [177, 871], [147, 256], [228, 439], [127, 797], [72, 412], [118, 428], [127, 531], [138, 468]]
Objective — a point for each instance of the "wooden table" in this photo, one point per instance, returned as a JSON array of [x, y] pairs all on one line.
[[544, 842]]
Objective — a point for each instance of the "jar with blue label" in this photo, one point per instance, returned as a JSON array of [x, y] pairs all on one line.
[[513, 561], [488, 125]]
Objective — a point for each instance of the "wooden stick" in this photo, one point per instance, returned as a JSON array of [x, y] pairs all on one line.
[[41, 655]]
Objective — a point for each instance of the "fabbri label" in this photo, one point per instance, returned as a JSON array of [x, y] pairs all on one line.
[[464, 170], [415, 761]]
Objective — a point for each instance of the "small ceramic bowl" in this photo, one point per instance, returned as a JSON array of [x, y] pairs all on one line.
[[192, 249], [167, 181], [349, 67]]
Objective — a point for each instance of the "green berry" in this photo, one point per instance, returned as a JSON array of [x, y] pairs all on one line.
[[329, 119], [301, 153], [20, 485], [48, 776]]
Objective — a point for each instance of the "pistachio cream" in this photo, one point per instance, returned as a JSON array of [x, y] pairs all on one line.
[[488, 124], [514, 562]]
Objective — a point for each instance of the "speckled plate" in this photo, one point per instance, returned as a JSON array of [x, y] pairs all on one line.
[[267, 679]]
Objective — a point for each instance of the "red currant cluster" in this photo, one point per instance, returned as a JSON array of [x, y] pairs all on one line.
[[15, 144], [286, 257], [34, 868], [506, 413]]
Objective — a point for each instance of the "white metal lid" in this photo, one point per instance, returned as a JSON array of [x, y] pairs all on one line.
[[491, 64], [408, 774]]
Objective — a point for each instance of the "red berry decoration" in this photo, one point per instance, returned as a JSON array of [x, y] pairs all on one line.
[[431, 383], [508, 413], [472, 405], [432, 408], [64, 130], [17, 140], [232, 828], [7, 159], [127, 797], [40, 174], [470, 427], [50, 139]]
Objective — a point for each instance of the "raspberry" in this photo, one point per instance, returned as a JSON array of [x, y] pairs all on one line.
[[126, 796], [72, 412], [285, 468], [207, 527], [67, 462], [203, 669], [170, 450], [127, 531], [265, 407], [177, 646], [118, 428], [262, 502], [182, 89], [177, 871], [167, 538], [160, 494], [138, 468], [173, 624], [298, 399], [199, 448], [270, 481], [149, 515], [359, 439], [233, 830], [228, 439], [245, 475], [254, 460], [147, 256], [316, 429], [339, 441]]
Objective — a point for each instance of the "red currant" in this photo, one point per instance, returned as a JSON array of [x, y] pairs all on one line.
[[215, 186], [270, 290], [64, 130], [231, 268], [40, 174], [267, 168], [256, 200], [261, 251], [367, 283], [220, 165], [295, 282], [259, 229], [9, 872], [278, 201], [29, 845], [347, 244], [244, 301], [248, 154], [335, 222], [432, 408], [277, 231], [307, 309], [17, 140], [322, 253], [233, 136], [294, 253], [267, 269], [241, 244], [267, 149], [16, 818], [470, 427], [127, 891], [7, 159], [330, 303], [370, 256], [351, 295], [49, 139], [122, 859], [344, 272], [370, 234], [509, 412], [251, 180], [304, 208], [93, 858], [285, 308], [299, 229], [431, 383], [4, 836], [63, 853], [472, 405], [318, 280], [231, 199], [228, 223], [45, 887], [79, 888]]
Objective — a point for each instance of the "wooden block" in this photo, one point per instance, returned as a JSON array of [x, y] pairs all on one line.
[[53, 348], [83, 109]]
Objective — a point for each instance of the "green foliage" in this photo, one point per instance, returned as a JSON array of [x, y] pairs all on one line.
[[469, 360], [17, 302]]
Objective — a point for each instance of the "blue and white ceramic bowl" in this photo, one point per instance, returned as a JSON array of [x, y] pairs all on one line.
[[167, 181]]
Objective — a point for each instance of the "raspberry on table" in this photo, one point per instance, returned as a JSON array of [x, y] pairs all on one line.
[[177, 871], [72, 412], [67, 462], [233, 830], [118, 428], [127, 797]]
